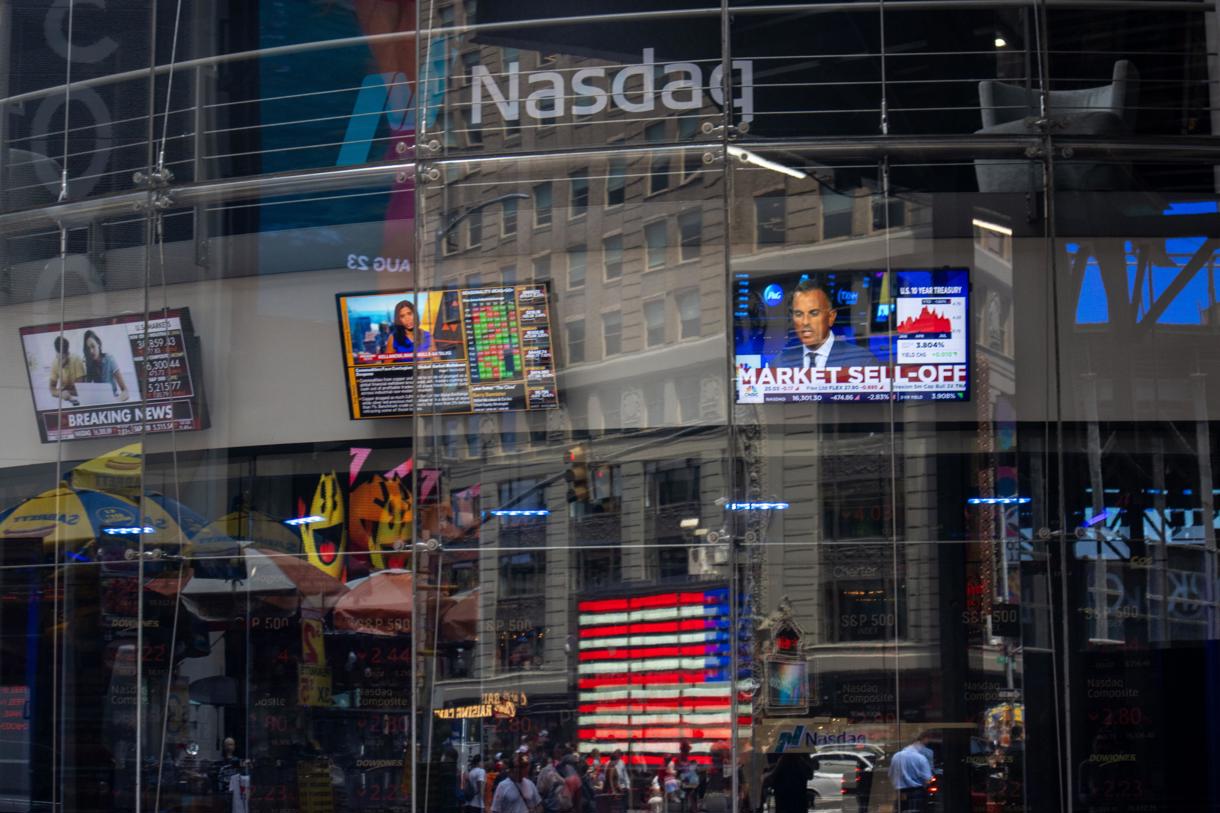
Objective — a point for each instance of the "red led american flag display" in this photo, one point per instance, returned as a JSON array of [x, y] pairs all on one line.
[[655, 670]]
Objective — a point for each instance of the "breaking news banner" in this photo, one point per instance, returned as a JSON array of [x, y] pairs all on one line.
[[852, 336], [105, 377]]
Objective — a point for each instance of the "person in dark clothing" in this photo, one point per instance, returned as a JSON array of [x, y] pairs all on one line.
[[789, 781]]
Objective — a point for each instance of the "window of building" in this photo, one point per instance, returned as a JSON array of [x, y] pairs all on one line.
[[541, 267], [656, 239], [673, 559], [579, 183], [599, 568], [692, 157], [508, 217], [612, 333], [542, 205], [475, 228], [575, 330], [672, 482], [508, 274], [889, 213], [770, 219], [612, 256], [690, 231], [616, 182], [689, 314], [578, 266], [654, 322], [452, 236], [519, 650], [836, 214], [658, 166]]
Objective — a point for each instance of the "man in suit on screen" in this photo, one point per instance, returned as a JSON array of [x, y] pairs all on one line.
[[816, 346]]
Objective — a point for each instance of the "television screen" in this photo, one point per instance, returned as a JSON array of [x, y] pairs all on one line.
[[99, 378], [456, 351], [852, 335]]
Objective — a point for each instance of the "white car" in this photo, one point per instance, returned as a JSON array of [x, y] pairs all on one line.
[[836, 775]]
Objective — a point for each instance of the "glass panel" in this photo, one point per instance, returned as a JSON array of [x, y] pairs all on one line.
[[582, 607]]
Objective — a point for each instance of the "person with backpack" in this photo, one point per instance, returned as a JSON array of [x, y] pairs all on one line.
[[473, 782], [556, 798]]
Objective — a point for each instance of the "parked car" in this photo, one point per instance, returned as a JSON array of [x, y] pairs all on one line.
[[847, 774]]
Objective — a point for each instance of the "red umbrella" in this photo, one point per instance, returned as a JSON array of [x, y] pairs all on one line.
[[380, 604], [460, 620]]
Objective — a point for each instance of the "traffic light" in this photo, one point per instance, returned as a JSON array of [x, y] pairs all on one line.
[[577, 475]]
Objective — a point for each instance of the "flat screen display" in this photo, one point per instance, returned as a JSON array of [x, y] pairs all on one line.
[[457, 351], [105, 377], [852, 336]]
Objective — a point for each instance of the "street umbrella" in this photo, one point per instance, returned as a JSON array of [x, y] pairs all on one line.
[[247, 525], [379, 604], [263, 571], [460, 620], [74, 518]]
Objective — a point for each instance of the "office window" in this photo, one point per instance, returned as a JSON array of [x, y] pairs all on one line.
[[542, 205], [658, 167], [690, 229], [616, 182], [654, 322], [508, 217], [578, 264], [579, 182], [692, 158], [836, 214], [655, 242], [508, 274], [612, 256], [612, 333], [576, 340], [542, 267], [770, 219], [475, 228], [689, 314]]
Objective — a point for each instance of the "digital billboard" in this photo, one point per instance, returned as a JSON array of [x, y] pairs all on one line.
[[852, 336], [105, 377], [456, 351]]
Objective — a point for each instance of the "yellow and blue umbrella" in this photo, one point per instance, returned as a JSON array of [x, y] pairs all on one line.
[[76, 518]]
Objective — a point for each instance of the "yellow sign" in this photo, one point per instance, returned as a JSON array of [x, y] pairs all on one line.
[[313, 652], [314, 786], [313, 686], [494, 704]]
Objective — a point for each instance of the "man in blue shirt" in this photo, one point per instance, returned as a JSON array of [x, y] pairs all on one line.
[[911, 772]]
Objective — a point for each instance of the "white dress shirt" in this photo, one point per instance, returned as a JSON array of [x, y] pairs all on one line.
[[818, 358]]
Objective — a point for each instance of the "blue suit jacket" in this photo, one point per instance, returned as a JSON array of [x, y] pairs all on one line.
[[843, 354]]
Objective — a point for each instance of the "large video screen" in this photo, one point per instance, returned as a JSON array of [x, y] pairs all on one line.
[[456, 351], [99, 378], [852, 335]]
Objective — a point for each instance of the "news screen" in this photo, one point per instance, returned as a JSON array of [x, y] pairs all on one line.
[[98, 378], [471, 349], [852, 336]]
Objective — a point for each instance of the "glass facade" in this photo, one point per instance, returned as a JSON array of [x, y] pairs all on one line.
[[679, 405]]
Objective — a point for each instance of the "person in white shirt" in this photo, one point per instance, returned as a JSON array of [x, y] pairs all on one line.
[[517, 794], [476, 779]]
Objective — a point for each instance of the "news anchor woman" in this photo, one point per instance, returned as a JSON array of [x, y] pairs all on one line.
[[406, 336], [101, 368]]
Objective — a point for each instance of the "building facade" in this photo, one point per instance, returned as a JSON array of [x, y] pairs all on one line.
[[748, 388]]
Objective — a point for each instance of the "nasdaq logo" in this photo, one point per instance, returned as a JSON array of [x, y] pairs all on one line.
[[773, 295], [674, 86]]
